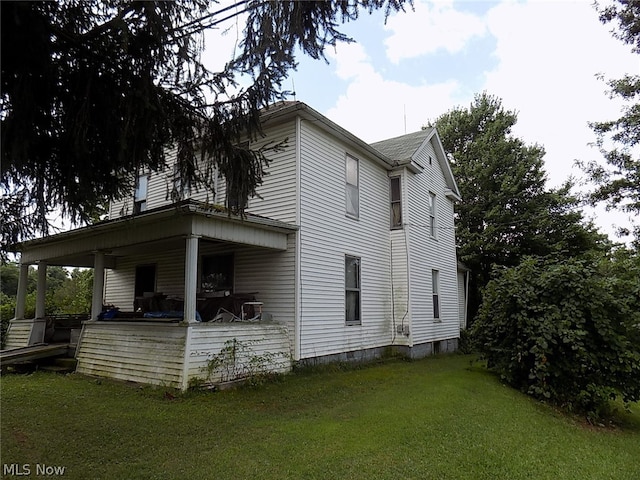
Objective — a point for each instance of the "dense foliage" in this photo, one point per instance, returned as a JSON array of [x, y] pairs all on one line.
[[94, 91], [67, 292], [566, 330], [506, 212]]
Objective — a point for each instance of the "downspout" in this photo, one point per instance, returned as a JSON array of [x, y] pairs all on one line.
[[466, 297]]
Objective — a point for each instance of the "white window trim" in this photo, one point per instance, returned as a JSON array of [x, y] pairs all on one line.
[[435, 295], [358, 321], [433, 212], [392, 202], [140, 202], [349, 214]]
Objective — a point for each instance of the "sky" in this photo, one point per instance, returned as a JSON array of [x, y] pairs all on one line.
[[542, 58]]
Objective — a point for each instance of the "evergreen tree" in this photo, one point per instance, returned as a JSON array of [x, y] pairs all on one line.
[[618, 181], [94, 91]]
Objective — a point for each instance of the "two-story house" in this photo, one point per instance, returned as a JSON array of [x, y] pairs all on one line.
[[348, 249]]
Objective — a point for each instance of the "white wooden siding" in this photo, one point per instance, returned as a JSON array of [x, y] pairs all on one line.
[[18, 334], [153, 353], [429, 254], [278, 190], [146, 353], [261, 348], [327, 235], [401, 296], [271, 275]]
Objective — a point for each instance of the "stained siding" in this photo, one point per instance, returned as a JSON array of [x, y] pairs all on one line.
[[327, 235], [260, 348], [145, 353], [18, 334], [429, 254], [400, 287]]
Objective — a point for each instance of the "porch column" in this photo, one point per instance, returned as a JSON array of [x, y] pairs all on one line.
[[98, 285], [190, 278], [41, 293], [21, 296]]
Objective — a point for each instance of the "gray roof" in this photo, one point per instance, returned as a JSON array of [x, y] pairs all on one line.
[[403, 147]]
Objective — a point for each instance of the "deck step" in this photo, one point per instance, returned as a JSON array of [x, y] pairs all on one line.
[[56, 369], [66, 362]]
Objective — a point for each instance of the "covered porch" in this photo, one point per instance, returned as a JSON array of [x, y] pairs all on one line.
[[153, 272]]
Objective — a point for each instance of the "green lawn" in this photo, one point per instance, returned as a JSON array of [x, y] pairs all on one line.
[[436, 418]]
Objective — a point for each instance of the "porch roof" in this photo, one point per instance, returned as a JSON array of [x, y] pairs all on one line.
[[161, 228]]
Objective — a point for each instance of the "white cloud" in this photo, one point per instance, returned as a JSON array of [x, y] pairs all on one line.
[[549, 53], [431, 27], [374, 108]]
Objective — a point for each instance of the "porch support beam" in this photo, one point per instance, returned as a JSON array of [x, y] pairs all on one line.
[[21, 296], [98, 285], [41, 293], [190, 277]]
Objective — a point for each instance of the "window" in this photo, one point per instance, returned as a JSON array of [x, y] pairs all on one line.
[[432, 214], [216, 273], [140, 195], [435, 287], [235, 200], [353, 196], [181, 189], [396, 202], [352, 290], [145, 280]]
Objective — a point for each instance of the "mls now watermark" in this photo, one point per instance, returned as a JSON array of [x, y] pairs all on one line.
[[26, 469]]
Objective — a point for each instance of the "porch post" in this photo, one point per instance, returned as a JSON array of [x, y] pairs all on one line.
[[41, 293], [21, 296], [190, 277], [98, 285]]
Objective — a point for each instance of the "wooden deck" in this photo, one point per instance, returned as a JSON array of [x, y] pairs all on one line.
[[32, 352]]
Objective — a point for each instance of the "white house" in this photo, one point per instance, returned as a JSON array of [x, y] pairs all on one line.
[[348, 250]]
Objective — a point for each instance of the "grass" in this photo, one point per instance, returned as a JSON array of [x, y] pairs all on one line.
[[437, 418]]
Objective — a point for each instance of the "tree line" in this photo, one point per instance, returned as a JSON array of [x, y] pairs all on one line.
[[68, 291]]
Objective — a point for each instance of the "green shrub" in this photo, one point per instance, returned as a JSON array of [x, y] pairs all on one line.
[[567, 332]]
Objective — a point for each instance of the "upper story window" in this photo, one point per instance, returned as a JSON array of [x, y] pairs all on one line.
[[140, 195], [352, 187], [181, 188], [432, 214], [395, 186], [235, 201]]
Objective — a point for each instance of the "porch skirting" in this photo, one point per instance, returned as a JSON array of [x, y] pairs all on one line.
[[182, 354], [25, 332]]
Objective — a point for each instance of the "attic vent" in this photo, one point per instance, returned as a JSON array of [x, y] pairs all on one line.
[[430, 160]]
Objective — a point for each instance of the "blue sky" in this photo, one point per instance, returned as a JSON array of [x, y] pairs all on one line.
[[540, 57]]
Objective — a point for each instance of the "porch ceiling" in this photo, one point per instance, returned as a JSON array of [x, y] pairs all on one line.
[[161, 228]]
